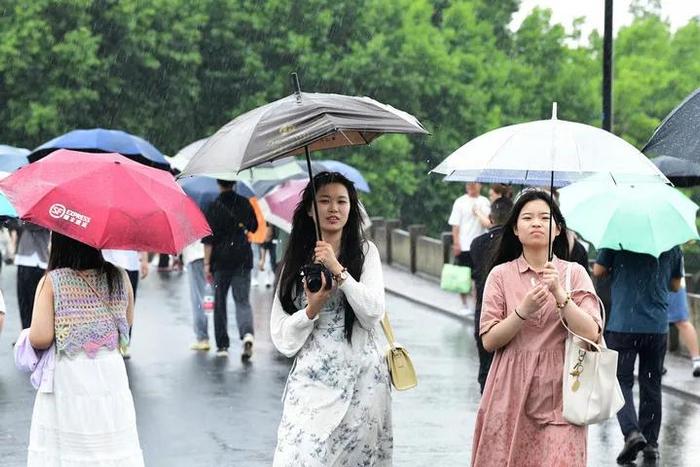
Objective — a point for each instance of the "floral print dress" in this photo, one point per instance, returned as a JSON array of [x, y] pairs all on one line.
[[337, 402]]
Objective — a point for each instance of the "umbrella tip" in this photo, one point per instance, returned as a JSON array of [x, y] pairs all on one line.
[[296, 86], [554, 110]]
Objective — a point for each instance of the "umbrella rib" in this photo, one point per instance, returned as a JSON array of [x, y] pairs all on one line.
[[362, 135]]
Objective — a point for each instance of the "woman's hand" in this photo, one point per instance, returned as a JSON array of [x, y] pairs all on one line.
[[550, 277], [316, 300], [535, 299], [324, 254]]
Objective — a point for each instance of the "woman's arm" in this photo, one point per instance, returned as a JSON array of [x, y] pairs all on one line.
[[580, 322], [289, 332], [130, 296], [498, 327], [581, 311], [366, 297], [41, 331]]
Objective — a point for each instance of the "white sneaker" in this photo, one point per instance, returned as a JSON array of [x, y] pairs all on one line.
[[222, 353], [696, 367], [248, 341]]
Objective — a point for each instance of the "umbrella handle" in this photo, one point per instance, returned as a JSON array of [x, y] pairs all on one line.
[[313, 193], [296, 86], [550, 244]]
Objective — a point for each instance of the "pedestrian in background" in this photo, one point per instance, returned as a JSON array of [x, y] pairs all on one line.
[[136, 266], [84, 305], [466, 226], [337, 403], [193, 259], [520, 416], [228, 260], [481, 250], [2, 311], [679, 317], [500, 190], [638, 326], [31, 258], [268, 250]]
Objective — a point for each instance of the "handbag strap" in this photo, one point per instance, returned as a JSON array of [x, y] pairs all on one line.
[[567, 285], [388, 331]]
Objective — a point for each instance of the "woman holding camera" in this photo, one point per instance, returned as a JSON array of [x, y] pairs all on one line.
[[337, 403]]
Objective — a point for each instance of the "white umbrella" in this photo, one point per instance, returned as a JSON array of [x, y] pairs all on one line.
[[547, 152]]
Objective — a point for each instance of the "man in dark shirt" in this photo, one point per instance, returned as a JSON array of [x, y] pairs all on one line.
[[638, 325], [480, 250], [228, 259]]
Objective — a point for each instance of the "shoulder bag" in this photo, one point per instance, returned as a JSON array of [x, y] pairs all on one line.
[[401, 371], [591, 392]]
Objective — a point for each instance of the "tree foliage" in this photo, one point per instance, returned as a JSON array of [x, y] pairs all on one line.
[[174, 71]]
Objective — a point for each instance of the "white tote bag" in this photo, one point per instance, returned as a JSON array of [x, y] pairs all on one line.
[[591, 392]]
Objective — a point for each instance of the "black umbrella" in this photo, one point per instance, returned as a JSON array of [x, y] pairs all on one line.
[[681, 172], [678, 134]]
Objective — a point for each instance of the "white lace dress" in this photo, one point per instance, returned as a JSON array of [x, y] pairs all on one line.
[[337, 403]]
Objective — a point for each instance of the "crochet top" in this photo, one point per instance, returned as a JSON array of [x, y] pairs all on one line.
[[82, 319]]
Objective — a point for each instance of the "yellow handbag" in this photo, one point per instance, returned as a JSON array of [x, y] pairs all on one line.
[[401, 371]]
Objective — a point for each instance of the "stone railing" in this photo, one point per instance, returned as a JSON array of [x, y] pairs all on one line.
[[410, 249]]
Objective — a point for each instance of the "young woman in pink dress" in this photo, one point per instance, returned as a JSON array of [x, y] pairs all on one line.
[[519, 422]]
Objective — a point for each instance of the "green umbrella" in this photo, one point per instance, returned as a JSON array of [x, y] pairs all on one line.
[[647, 218]]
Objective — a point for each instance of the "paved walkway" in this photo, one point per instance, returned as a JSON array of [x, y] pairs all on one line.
[[678, 380]]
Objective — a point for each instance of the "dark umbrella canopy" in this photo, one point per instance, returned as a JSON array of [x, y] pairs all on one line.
[[204, 190], [678, 134], [680, 172], [101, 140], [285, 127]]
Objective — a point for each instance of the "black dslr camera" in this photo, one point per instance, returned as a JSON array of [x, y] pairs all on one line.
[[312, 275]]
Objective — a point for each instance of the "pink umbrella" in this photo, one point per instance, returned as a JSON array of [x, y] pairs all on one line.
[[279, 204], [107, 202]]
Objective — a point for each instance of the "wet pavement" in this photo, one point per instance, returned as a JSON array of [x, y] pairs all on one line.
[[196, 410]]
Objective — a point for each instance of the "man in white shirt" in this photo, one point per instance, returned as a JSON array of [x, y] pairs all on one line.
[[193, 259], [467, 224]]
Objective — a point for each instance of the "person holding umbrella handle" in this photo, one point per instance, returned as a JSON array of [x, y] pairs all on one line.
[[520, 415], [338, 388]]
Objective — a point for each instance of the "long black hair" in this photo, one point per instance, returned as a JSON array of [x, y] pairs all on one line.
[[302, 242], [510, 248], [69, 253]]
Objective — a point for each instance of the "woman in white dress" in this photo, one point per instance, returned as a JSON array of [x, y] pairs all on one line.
[[337, 403], [84, 305]]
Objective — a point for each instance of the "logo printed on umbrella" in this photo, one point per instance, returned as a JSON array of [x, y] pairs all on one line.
[[59, 211]]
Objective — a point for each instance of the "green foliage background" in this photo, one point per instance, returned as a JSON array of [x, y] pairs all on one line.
[[174, 71]]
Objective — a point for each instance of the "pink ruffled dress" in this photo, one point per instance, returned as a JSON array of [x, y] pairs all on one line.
[[519, 422]]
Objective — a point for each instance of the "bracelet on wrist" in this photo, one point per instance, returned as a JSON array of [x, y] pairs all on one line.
[[515, 310], [565, 302]]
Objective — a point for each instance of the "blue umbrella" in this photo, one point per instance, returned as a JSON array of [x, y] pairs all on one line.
[[6, 209], [12, 158], [350, 172], [204, 190], [101, 140]]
